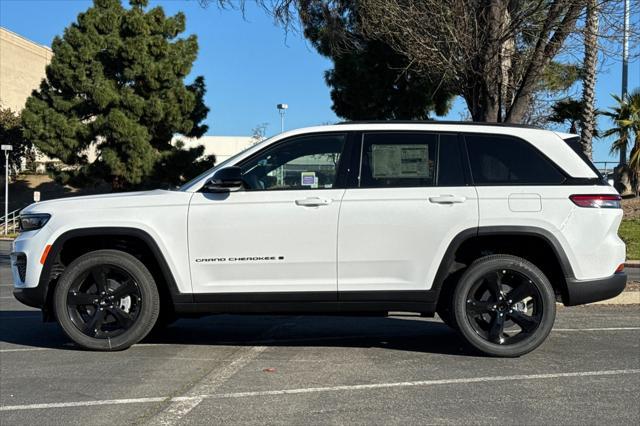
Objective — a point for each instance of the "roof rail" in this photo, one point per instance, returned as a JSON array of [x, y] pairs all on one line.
[[466, 123]]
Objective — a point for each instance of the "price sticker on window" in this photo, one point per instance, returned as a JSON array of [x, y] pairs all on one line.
[[400, 161]]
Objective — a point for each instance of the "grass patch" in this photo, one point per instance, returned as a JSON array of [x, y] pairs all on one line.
[[630, 233]]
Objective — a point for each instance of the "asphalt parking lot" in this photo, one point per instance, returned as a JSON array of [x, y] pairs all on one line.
[[319, 370]]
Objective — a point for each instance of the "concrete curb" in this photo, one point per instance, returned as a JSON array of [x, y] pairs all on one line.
[[632, 264], [625, 298]]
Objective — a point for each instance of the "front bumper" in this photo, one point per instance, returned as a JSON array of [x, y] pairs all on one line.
[[34, 297], [27, 269], [580, 292], [30, 296]]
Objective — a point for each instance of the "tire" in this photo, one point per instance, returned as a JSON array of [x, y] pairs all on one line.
[[445, 309], [106, 300], [504, 306], [446, 315]]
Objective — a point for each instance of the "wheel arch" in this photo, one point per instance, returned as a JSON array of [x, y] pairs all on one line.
[[108, 236], [532, 243]]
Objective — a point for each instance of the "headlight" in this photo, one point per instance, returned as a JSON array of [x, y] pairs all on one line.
[[30, 222]]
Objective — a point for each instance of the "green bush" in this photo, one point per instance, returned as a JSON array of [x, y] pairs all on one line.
[[630, 233]]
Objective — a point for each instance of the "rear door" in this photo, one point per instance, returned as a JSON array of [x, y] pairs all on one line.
[[407, 200]]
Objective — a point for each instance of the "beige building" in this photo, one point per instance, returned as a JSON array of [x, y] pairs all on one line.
[[222, 147], [22, 68]]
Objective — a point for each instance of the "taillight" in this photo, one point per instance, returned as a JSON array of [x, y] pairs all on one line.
[[597, 201]]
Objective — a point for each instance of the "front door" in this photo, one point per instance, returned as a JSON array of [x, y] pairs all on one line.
[[408, 201], [279, 235]]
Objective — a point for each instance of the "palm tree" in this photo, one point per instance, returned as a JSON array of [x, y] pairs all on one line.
[[588, 112], [626, 117], [569, 111]]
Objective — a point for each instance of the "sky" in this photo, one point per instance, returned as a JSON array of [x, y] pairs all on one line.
[[250, 65]]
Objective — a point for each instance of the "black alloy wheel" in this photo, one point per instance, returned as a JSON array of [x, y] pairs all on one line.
[[504, 305], [106, 300]]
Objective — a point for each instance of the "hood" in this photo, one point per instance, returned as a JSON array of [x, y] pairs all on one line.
[[139, 199]]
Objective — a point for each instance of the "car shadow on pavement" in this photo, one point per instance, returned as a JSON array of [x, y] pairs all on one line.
[[410, 333], [26, 328]]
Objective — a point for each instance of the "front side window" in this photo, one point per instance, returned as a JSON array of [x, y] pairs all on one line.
[[505, 160], [409, 160], [305, 162]]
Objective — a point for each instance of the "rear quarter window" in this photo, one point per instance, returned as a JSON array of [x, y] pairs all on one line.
[[506, 160], [574, 144]]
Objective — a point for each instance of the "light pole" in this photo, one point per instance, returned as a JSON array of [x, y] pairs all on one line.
[[625, 69], [6, 149], [282, 108]]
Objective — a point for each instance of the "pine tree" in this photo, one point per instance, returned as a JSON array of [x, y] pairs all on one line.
[[11, 134], [117, 83]]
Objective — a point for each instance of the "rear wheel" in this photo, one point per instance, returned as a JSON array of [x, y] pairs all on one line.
[[106, 300], [504, 306]]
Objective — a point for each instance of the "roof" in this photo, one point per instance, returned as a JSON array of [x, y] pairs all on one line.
[[466, 123], [566, 136]]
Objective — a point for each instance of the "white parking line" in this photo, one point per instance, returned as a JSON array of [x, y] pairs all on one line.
[[421, 383], [181, 406], [82, 403], [427, 383]]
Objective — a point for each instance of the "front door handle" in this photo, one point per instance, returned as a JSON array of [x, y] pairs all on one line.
[[313, 202], [447, 199]]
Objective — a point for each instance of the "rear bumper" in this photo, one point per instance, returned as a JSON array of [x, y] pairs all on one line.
[[580, 292]]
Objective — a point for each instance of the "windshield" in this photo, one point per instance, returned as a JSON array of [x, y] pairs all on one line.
[[189, 185]]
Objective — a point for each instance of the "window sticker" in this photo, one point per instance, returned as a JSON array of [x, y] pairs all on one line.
[[309, 179], [400, 161]]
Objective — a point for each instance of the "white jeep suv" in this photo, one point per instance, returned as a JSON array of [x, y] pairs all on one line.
[[486, 225]]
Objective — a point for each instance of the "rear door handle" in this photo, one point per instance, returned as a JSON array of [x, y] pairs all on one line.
[[447, 199], [313, 202]]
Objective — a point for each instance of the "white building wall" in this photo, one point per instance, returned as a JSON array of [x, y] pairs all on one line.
[[222, 147]]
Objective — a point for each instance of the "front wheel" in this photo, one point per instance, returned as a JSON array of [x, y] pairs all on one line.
[[504, 306], [106, 300]]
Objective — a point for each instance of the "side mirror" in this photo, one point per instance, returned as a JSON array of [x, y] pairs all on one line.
[[228, 179]]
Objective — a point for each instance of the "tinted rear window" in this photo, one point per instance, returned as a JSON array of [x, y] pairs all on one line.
[[574, 144], [505, 160]]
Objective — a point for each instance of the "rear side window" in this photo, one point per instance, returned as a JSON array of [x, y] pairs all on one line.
[[392, 160], [574, 144], [505, 160]]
